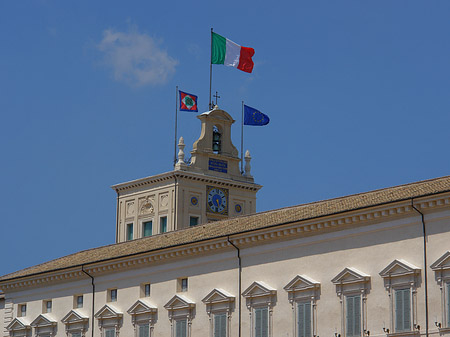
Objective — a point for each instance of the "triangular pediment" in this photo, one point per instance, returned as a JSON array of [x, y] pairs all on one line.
[[18, 324], [43, 320], [179, 302], [258, 289], [442, 263], [218, 295], [74, 317], [350, 275], [141, 307], [108, 311], [301, 282], [399, 268]]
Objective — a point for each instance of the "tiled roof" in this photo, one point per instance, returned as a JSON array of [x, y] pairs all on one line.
[[242, 224]]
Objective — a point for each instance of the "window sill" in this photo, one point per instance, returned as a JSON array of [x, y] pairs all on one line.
[[404, 333], [444, 330]]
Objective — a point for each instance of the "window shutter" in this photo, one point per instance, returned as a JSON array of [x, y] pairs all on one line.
[[301, 320], [144, 331], [220, 328], [258, 320], [357, 316], [264, 323], [350, 315], [110, 333], [307, 319], [448, 304], [406, 309]]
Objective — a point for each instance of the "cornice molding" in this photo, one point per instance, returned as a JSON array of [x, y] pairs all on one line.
[[252, 237]]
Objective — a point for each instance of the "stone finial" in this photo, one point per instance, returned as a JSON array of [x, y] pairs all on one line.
[[247, 167], [180, 163]]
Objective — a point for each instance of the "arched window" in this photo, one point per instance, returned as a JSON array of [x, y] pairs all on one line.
[[216, 140]]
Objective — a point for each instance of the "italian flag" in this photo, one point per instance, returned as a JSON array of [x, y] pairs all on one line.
[[226, 52]]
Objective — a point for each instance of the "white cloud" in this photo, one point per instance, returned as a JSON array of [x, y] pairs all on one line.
[[136, 58]]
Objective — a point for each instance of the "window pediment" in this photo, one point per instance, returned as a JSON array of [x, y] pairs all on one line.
[[300, 283], [108, 311], [442, 263], [179, 302], [258, 289], [350, 275], [142, 307], [43, 320], [18, 324], [218, 296], [74, 317], [399, 268]]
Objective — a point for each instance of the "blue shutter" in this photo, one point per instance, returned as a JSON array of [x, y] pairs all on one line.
[[357, 320], [220, 328], [304, 319], [264, 322], [353, 315], [110, 333], [402, 310], [180, 328], [258, 323], [144, 330], [350, 316]]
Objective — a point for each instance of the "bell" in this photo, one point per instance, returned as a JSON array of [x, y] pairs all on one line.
[[216, 136], [216, 147]]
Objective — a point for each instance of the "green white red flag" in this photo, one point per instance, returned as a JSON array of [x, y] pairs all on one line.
[[226, 52]]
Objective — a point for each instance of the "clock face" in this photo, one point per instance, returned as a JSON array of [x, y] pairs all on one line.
[[217, 200]]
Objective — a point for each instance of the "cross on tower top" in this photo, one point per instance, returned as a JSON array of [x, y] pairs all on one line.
[[217, 98]]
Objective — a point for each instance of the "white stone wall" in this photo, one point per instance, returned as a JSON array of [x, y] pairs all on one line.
[[321, 255]]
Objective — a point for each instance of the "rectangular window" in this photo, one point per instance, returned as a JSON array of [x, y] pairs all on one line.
[[79, 301], [110, 332], [144, 330], [402, 310], [22, 310], [163, 224], [193, 221], [181, 328], [47, 306], [353, 318], [261, 322], [220, 325], [147, 228], [184, 284], [130, 231], [304, 319], [112, 295], [448, 304], [147, 290]]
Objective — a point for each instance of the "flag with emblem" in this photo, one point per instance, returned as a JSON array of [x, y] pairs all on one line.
[[188, 102], [254, 117]]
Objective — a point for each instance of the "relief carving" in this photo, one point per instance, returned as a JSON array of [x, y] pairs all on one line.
[[130, 208], [146, 206], [164, 200]]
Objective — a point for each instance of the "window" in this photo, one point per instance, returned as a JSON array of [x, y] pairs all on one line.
[[144, 330], [261, 322], [181, 328], [22, 312], [112, 295], [163, 224], [145, 290], [216, 143], [182, 284], [304, 319], [79, 301], [130, 231], [75, 334], [220, 325], [353, 315], [47, 306], [147, 228], [402, 310], [110, 332], [193, 221]]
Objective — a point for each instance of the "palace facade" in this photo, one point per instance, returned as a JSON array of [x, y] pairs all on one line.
[[192, 258]]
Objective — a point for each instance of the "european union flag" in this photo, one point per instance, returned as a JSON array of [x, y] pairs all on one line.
[[254, 117]]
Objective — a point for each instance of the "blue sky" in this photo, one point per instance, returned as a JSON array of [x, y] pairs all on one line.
[[357, 93]]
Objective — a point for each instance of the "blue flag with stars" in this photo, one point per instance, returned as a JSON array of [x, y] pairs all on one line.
[[254, 117]]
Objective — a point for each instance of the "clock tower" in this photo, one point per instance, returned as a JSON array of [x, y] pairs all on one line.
[[210, 187]]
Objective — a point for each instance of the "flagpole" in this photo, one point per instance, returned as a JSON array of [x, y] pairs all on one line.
[[210, 73], [176, 124], [242, 137]]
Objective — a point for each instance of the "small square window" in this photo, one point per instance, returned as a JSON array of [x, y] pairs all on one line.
[[182, 284], [130, 231], [78, 301], [163, 224], [147, 228], [22, 312], [112, 295], [47, 306], [193, 221]]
